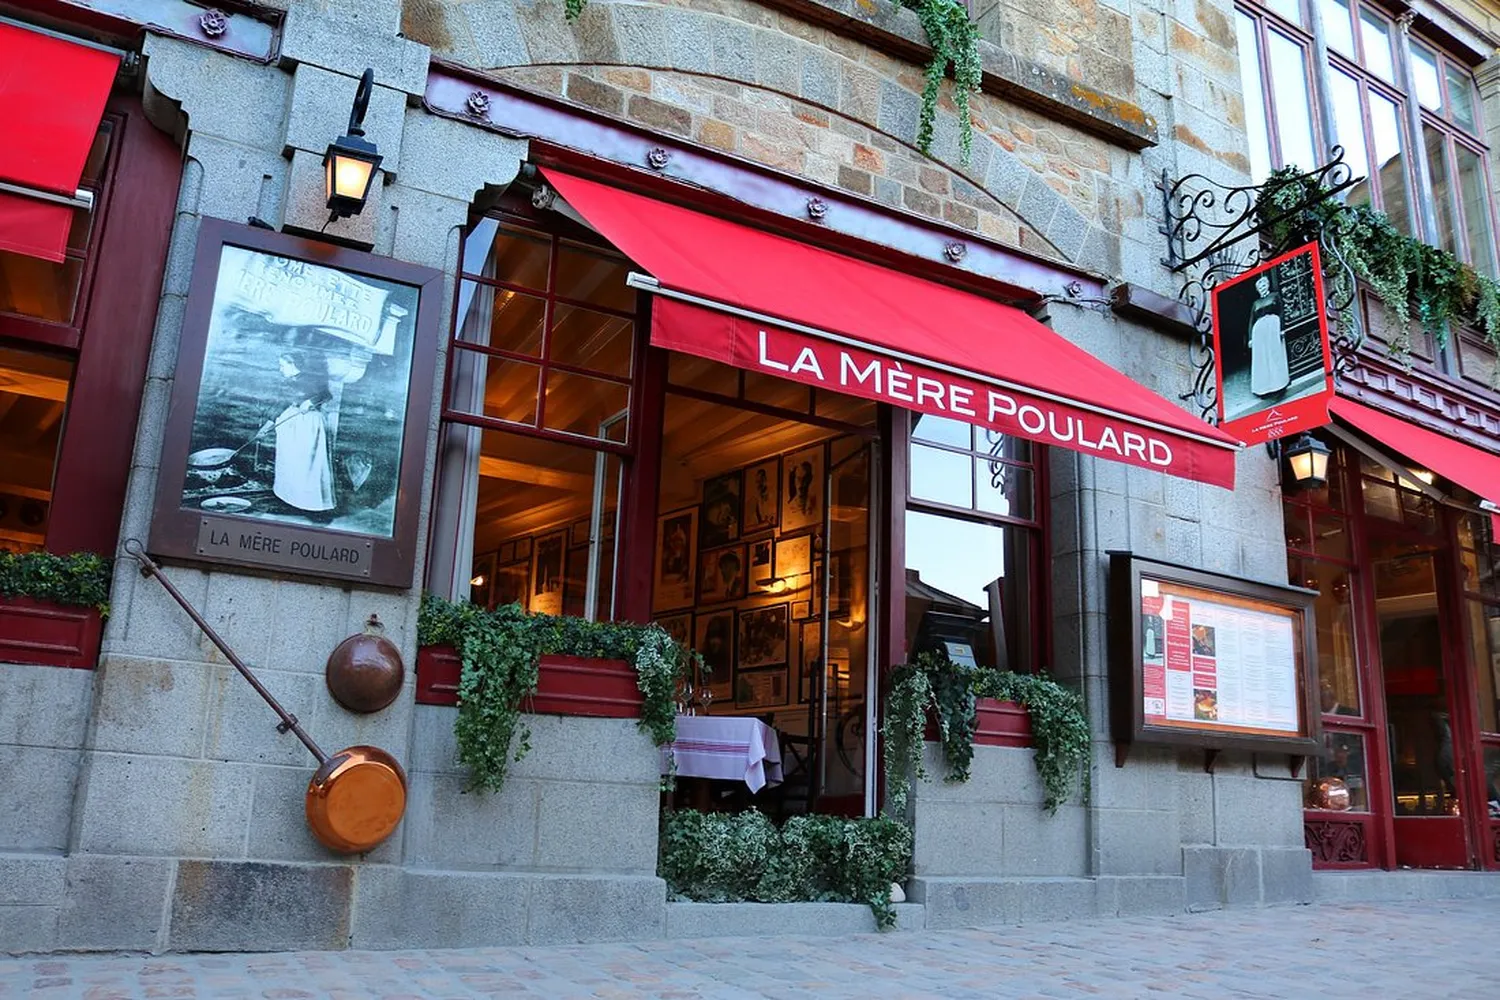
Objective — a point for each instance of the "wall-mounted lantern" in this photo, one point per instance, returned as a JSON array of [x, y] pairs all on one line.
[[350, 163]]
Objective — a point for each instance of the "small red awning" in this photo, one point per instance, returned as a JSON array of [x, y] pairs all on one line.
[[768, 303], [1472, 468], [52, 95]]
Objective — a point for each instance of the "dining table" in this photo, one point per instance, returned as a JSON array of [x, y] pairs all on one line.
[[725, 748]]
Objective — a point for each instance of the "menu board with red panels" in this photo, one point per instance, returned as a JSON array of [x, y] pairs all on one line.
[[1213, 663]]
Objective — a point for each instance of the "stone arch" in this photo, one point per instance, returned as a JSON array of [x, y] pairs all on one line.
[[654, 62]]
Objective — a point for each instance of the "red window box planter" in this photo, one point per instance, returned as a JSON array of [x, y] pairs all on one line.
[[52, 635], [998, 724], [566, 685]]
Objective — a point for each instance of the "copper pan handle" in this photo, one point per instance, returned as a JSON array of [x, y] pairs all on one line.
[[289, 721]]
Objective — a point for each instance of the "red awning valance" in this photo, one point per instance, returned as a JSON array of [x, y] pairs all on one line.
[[52, 95], [1472, 468], [768, 303]]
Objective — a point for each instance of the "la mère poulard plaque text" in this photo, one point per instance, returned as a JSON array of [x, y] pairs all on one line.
[[299, 415], [1206, 660]]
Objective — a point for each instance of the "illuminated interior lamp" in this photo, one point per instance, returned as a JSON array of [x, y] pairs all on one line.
[[477, 581], [350, 163]]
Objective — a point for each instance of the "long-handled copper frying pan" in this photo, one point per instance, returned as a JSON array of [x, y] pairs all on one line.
[[357, 797]]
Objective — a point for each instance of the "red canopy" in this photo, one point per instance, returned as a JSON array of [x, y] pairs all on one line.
[[768, 303], [1472, 468], [52, 95]]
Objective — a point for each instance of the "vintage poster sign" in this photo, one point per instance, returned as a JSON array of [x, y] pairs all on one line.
[[1208, 660], [299, 410], [1273, 364]]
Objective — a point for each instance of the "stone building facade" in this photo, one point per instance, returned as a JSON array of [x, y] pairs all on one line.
[[150, 803]]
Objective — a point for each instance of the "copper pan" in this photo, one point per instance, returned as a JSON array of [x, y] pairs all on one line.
[[357, 797]]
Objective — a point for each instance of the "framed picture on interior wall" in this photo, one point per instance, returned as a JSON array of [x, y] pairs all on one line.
[[523, 548], [721, 574], [512, 583], [297, 428], [721, 509], [578, 534], [810, 659], [764, 635], [762, 567], [547, 576], [575, 581], [713, 638], [676, 559], [794, 563], [482, 580], [802, 496], [679, 627], [758, 689], [506, 553], [762, 508]]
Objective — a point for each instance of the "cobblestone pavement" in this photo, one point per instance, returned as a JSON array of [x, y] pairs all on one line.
[[1407, 950]]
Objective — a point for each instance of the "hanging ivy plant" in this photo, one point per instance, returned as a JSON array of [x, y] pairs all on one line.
[[1060, 730], [1407, 275], [955, 42], [500, 651], [79, 580]]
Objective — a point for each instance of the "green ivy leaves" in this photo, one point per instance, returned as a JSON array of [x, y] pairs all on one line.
[[81, 579], [1060, 730], [744, 857], [500, 651], [954, 40]]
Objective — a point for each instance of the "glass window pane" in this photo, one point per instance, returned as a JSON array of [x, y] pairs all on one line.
[[597, 341], [510, 255], [1375, 33], [1336, 26], [1289, 9], [1333, 612], [1003, 489], [941, 476], [1007, 446], [1473, 193], [93, 167], [1338, 780], [1390, 164], [1256, 127], [499, 318], [941, 430], [1331, 534], [509, 387], [1460, 96], [1381, 501], [1294, 522], [33, 405], [1292, 96], [588, 406], [39, 288], [1424, 78], [958, 574], [1484, 645], [1349, 121], [594, 277], [1442, 191]]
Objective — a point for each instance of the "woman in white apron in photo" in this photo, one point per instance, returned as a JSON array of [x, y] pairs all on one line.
[[1269, 373], [304, 461]]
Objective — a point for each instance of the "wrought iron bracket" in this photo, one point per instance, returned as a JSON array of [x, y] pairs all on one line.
[[1215, 232]]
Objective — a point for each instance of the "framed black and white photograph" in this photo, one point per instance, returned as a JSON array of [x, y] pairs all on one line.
[[299, 411], [578, 534], [512, 581], [794, 562], [679, 627], [764, 635], [676, 559], [548, 574], [802, 494], [810, 659], [760, 689], [721, 574], [762, 565], [762, 508], [713, 638], [720, 522]]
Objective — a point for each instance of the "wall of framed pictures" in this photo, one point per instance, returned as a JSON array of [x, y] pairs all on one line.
[[545, 572]]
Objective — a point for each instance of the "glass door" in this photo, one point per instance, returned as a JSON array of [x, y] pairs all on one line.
[[1417, 676]]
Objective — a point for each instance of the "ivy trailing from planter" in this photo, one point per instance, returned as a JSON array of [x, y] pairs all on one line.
[[1060, 730], [78, 580], [955, 42], [500, 651], [744, 857], [1409, 276]]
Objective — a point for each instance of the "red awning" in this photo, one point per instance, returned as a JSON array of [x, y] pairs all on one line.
[[52, 95], [1472, 468], [768, 303]]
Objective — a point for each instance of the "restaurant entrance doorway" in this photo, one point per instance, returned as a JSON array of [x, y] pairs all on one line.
[[766, 502]]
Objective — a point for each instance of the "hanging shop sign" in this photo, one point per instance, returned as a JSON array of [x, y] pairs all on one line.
[[1272, 358], [299, 415], [1202, 659]]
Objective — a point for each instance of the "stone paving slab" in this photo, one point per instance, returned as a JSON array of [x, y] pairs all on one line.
[[1410, 951]]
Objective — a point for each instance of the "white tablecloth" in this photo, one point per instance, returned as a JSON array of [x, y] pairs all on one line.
[[732, 748]]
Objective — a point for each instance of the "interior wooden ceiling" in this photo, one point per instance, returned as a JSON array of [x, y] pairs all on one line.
[[33, 398]]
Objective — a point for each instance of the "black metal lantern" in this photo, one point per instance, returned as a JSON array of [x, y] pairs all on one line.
[[1307, 461], [351, 161]]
